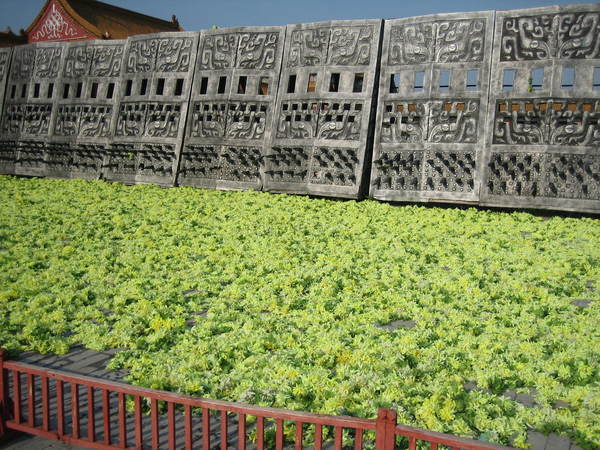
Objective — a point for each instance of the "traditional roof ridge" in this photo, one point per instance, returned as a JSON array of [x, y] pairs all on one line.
[[125, 11], [111, 25]]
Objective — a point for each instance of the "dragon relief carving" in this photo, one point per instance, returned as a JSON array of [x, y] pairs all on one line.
[[411, 44], [460, 41], [548, 36], [162, 120], [257, 50], [77, 62], [36, 119], [208, 119], [453, 121], [308, 47], [47, 62], [106, 61], [95, 121], [341, 121], [575, 123], [246, 120], [3, 63], [350, 46], [141, 56], [446, 41], [521, 122], [174, 55], [298, 120], [67, 121], [404, 122], [131, 119], [23, 62], [547, 121], [219, 51]]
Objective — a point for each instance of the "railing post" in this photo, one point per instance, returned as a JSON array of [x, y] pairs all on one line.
[[385, 429], [3, 394]]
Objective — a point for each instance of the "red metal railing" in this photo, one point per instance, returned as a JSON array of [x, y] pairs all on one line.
[[94, 413]]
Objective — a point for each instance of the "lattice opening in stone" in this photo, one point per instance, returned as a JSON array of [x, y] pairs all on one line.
[[444, 84], [394, 83], [472, 83], [508, 79], [567, 80]]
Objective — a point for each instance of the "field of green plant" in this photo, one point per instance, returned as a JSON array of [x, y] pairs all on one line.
[[282, 301]]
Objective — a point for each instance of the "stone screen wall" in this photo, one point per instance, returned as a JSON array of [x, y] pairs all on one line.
[[432, 108], [488, 108], [544, 115], [232, 107], [324, 111]]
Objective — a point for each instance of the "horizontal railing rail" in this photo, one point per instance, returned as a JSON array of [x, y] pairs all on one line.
[[96, 413]]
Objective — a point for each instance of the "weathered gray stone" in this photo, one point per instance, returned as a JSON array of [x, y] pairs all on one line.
[[156, 80], [232, 107], [304, 109], [430, 126], [323, 123], [582, 303], [543, 130], [557, 442]]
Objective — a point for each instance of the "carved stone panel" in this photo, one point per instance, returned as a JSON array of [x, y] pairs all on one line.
[[232, 107], [340, 120], [152, 105], [569, 35], [544, 109], [297, 119], [324, 104], [405, 121], [432, 111], [443, 41], [308, 47]]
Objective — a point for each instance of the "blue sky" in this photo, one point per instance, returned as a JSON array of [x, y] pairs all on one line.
[[201, 14]]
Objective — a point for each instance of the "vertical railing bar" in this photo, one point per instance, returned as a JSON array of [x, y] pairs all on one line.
[[122, 421], [318, 436], [223, 430], [154, 422], [45, 404], [279, 434], [138, 421], [338, 438], [106, 414], [17, 389], [171, 423], [298, 438], [75, 410], [434, 446], [91, 420], [188, 427], [205, 429], [241, 431], [60, 408], [4, 393], [30, 400], [358, 439], [412, 443], [260, 433]]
